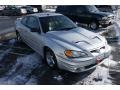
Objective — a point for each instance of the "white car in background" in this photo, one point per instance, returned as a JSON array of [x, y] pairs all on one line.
[[62, 43], [30, 9]]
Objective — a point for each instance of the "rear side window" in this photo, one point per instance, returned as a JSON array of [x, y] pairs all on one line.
[[24, 21], [33, 22]]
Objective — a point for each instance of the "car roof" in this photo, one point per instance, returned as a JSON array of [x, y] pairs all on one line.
[[44, 14]]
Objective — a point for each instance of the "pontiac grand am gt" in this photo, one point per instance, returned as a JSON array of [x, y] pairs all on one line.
[[61, 43]]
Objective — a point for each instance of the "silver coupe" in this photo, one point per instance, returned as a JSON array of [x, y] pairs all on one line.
[[61, 42]]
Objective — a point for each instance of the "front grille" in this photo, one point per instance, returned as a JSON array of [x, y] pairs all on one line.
[[110, 18], [89, 66]]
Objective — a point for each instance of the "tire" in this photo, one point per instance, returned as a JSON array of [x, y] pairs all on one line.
[[94, 25], [104, 26], [50, 58], [18, 37]]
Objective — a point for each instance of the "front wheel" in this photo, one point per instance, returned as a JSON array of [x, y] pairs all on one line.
[[94, 25], [104, 26], [50, 58]]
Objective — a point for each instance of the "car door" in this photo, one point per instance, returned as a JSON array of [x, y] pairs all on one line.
[[78, 14], [33, 35]]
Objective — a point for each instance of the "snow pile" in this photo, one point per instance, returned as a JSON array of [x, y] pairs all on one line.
[[99, 77], [118, 24], [109, 62], [113, 48]]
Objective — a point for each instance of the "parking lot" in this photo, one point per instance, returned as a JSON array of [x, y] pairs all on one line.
[[19, 64]]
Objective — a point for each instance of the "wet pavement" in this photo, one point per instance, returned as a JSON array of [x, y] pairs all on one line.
[[20, 65]]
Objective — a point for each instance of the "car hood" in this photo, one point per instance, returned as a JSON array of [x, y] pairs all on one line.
[[103, 14], [78, 37]]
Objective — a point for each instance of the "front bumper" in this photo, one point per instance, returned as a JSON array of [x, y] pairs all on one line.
[[81, 66], [106, 22]]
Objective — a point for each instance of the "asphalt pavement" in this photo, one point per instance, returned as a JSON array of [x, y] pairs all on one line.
[[7, 22], [20, 65]]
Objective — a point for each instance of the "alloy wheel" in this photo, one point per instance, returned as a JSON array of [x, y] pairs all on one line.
[[50, 59]]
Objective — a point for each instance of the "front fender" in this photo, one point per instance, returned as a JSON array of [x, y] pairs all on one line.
[[59, 47], [55, 47]]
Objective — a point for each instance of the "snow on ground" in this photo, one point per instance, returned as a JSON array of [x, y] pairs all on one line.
[[109, 62], [118, 29], [20, 72], [58, 77], [4, 53], [101, 75], [32, 81]]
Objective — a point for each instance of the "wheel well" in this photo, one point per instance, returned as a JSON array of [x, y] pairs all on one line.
[[45, 48], [96, 21]]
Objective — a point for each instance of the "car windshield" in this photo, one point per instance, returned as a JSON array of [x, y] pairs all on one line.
[[92, 8], [56, 23], [27, 7]]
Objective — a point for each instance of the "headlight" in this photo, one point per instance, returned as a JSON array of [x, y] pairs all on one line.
[[104, 18], [75, 54]]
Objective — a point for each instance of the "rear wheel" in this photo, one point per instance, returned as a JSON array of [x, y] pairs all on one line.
[[50, 58]]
